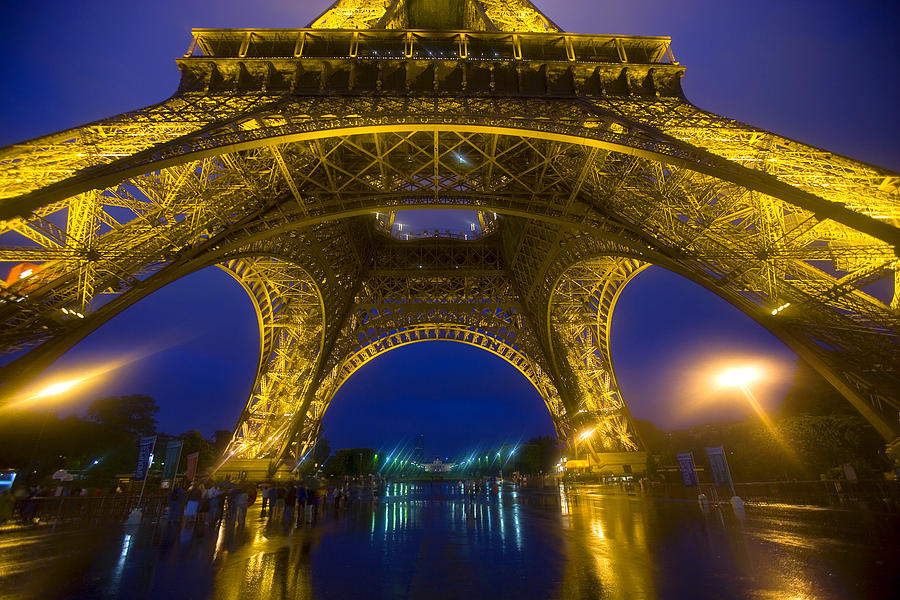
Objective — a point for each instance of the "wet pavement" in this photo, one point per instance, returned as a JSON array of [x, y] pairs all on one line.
[[428, 541]]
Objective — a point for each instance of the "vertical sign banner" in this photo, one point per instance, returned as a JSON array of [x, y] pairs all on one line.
[[143, 461], [173, 455], [686, 460], [191, 466], [718, 463]]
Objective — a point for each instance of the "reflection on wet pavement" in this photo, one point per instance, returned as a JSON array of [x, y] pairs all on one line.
[[430, 541]]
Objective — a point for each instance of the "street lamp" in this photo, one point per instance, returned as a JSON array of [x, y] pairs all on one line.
[[55, 389], [583, 436], [741, 378]]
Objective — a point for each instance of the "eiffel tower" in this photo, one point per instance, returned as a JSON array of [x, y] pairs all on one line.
[[285, 154]]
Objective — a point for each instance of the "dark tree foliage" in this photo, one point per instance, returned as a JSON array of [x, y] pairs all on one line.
[[803, 447], [352, 462], [528, 459], [652, 436], [222, 437], [811, 394], [39, 443], [335, 467], [194, 442], [321, 452], [548, 452], [816, 432], [134, 413]]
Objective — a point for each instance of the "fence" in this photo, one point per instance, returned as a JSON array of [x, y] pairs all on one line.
[[87, 510]]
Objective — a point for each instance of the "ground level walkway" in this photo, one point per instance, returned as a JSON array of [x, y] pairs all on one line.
[[431, 541]]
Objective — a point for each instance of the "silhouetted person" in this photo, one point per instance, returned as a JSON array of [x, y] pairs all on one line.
[[302, 499], [279, 500], [290, 499], [176, 497]]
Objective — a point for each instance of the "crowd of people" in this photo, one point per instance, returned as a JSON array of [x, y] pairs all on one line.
[[202, 505], [307, 500], [295, 503]]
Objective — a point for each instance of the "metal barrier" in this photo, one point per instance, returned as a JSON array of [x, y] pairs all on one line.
[[86, 510]]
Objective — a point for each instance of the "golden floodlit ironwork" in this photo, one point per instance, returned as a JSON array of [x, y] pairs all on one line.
[[285, 153]]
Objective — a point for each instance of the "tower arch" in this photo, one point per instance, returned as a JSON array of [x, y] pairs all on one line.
[[276, 141]]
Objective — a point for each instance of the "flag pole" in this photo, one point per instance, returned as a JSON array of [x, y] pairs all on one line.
[[135, 516]]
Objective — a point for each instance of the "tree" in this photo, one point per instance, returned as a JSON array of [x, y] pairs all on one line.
[[321, 452], [528, 459], [350, 461], [133, 413], [194, 442], [222, 438], [548, 451], [39, 443], [654, 438], [811, 394]]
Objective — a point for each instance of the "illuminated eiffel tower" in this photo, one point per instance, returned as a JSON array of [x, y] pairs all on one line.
[[285, 153]]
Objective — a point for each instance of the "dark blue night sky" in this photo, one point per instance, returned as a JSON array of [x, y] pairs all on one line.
[[821, 72]]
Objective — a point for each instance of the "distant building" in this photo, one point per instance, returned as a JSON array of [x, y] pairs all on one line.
[[438, 466], [418, 456]]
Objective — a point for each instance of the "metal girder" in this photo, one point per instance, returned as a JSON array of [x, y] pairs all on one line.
[[763, 249], [273, 157], [291, 316], [492, 15], [581, 312]]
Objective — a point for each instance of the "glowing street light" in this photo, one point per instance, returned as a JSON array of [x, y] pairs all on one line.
[[55, 389], [583, 436], [586, 434], [741, 378]]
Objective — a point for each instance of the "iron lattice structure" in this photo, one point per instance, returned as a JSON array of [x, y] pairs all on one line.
[[284, 154]]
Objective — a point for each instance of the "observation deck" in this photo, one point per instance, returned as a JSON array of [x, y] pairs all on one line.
[[328, 61], [387, 226]]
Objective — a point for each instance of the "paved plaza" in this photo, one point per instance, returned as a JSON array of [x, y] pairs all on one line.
[[429, 541]]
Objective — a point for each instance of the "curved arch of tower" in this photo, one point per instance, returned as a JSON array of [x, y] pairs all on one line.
[[284, 154]]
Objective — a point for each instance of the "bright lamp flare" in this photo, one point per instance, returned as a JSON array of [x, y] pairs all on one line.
[[585, 435], [55, 389], [738, 377]]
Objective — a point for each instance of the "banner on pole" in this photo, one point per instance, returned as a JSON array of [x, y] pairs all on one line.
[[145, 450], [718, 463], [173, 455], [192, 466], [688, 472]]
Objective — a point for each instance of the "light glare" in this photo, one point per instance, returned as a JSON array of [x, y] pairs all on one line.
[[738, 377], [586, 434], [55, 389]]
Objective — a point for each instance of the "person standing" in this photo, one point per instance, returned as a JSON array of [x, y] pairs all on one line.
[[176, 497], [318, 495], [216, 503], [194, 496], [290, 499], [302, 499], [203, 514], [242, 499], [279, 500]]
